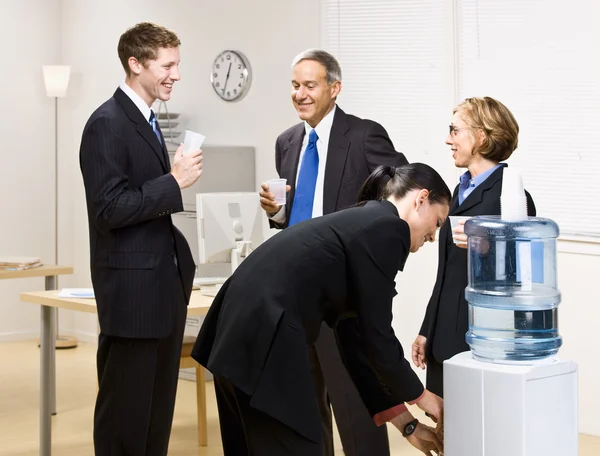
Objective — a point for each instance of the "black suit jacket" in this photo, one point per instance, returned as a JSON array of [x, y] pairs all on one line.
[[356, 147], [446, 318], [130, 195], [339, 268]]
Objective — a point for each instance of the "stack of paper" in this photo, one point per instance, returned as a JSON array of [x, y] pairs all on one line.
[[18, 263], [76, 293]]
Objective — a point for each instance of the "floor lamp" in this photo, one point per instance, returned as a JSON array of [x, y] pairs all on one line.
[[56, 79]]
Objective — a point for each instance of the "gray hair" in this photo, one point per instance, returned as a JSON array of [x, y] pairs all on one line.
[[332, 66]]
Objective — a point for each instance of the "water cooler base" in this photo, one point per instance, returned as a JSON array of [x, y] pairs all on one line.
[[509, 410]]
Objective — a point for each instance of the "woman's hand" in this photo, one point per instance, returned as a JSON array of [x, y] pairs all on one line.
[[459, 236], [426, 440], [433, 406], [418, 351]]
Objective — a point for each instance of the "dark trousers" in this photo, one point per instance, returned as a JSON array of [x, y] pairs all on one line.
[[335, 388], [246, 431], [136, 398], [435, 376]]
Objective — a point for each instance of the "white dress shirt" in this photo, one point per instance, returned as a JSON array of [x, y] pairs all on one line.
[[137, 100], [323, 130]]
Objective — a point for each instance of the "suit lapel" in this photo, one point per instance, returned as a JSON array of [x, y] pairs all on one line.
[[337, 153], [142, 125], [454, 202], [476, 195], [290, 156]]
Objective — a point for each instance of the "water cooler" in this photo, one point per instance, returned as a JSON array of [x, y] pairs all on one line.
[[510, 395]]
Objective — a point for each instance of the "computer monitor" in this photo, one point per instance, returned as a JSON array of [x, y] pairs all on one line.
[[229, 226]]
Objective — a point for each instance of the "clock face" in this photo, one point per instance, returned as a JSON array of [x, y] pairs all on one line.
[[230, 76]]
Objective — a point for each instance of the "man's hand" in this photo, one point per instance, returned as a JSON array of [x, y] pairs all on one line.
[[186, 169], [423, 439], [267, 199], [426, 440], [418, 352]]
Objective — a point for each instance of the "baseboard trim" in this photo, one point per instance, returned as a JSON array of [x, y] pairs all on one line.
[[589, 427], [18, 336]]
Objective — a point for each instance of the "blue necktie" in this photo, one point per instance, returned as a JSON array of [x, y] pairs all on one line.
[[154, 126], [304, 197]]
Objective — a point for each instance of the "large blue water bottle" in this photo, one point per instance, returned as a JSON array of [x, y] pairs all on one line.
[[512, 293]]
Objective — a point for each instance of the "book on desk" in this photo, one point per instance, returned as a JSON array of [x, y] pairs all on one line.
[[18, 263]]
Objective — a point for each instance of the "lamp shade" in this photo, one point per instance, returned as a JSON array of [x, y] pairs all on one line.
[[56, 79]]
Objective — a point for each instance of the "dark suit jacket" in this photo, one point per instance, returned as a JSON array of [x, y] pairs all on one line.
[[130, 195], [446, 318], [356, 147], [339, 268]]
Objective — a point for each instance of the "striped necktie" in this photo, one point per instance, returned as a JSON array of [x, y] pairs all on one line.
[[154, 126]]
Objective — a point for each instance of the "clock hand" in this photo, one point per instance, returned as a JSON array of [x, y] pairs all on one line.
[[227, 77]]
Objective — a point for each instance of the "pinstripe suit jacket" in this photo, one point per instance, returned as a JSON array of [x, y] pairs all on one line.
[[130, 195]]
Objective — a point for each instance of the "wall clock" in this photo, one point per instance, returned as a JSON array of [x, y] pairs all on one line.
[[231, 75]]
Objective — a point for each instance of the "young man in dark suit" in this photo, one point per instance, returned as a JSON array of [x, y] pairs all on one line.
[[142, 268], [325, 160]]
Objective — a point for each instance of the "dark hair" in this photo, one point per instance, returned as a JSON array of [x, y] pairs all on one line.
[[388, 181], [143, 42]]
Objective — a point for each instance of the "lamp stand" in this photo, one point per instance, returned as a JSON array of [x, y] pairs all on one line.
[[61, 341]]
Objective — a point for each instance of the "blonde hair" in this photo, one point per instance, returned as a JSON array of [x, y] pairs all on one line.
[[500, 128]]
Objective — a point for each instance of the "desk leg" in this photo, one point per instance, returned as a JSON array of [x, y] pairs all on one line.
[[46, 349], [51, 285]]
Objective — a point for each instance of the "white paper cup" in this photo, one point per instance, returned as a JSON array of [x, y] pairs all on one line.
[[277, 188], [192, 141], [454, 222]]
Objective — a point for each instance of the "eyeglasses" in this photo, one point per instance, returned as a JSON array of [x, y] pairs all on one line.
[[453, 131]]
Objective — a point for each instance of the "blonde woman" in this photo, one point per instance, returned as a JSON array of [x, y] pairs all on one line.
[[483, 134]]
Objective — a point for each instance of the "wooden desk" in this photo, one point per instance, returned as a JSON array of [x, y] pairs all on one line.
[[49, 272], [199, 303], [49, 300], [46, 270]]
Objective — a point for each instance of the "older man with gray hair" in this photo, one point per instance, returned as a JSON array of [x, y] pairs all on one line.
[[325, 159]]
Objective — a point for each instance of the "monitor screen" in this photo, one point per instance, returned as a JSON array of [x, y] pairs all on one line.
[[223, 219]]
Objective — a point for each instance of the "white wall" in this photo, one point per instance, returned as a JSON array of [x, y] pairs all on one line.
[[29, 31], [84, 34], [579, 314]]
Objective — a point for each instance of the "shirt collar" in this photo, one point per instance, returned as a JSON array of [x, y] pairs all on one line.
[[137, 100], [323, 129], [484, 175], [465, 178]]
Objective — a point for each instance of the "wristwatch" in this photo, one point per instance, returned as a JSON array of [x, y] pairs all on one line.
[[410, 428]]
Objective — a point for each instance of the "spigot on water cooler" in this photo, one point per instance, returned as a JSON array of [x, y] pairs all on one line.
[[511, 395]]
